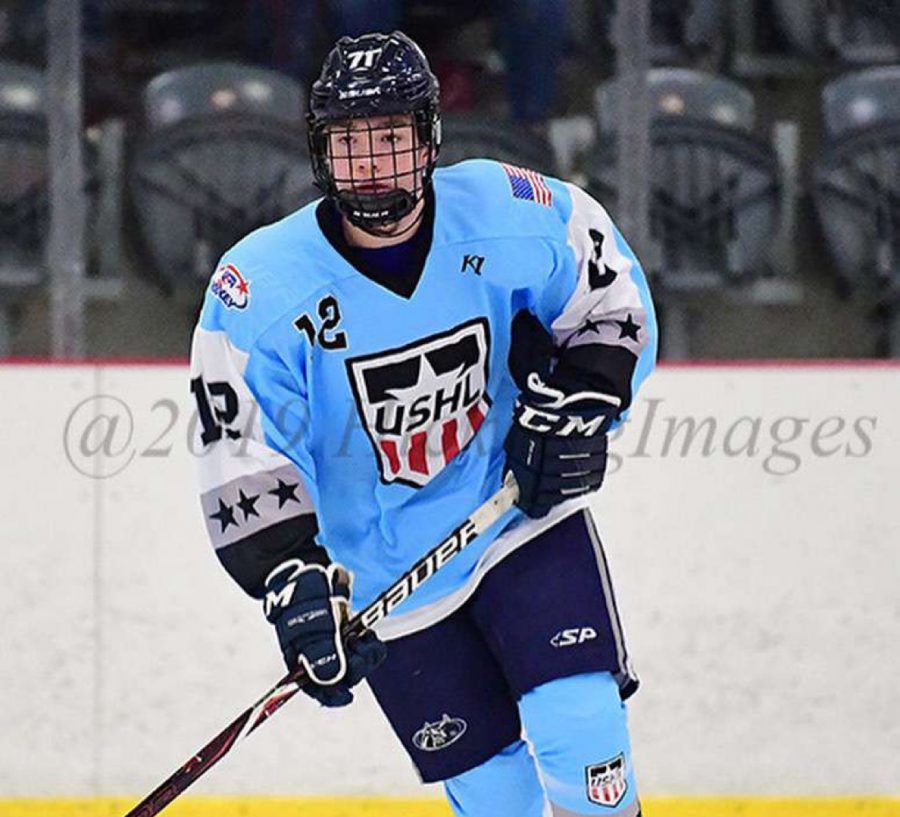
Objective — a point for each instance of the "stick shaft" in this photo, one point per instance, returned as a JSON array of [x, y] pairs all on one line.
[[249, 720]]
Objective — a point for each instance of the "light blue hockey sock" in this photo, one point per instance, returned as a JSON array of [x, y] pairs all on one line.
[[507, 785], [578, 727]]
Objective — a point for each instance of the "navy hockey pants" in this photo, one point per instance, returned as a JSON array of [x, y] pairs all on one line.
[[537, 649]]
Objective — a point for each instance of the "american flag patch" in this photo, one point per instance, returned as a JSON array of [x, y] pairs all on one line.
[[528, 184]]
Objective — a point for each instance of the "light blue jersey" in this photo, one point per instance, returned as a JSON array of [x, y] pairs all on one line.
[[323, 392]]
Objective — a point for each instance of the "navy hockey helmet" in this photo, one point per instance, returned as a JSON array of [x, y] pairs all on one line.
[[383, 76]]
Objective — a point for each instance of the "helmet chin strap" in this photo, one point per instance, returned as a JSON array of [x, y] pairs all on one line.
[[394, 233], [378, 215]]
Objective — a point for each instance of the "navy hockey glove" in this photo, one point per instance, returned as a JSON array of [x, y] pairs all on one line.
[[556, 447], [308, 604]]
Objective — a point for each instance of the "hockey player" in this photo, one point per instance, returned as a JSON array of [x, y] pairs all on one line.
[[366, 371]]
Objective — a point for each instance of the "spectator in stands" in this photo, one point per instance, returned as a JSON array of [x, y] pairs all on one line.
[[529, 33]]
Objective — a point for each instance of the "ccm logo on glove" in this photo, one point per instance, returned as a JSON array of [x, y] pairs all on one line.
[[562, 426], [545, 409], [556, 447]]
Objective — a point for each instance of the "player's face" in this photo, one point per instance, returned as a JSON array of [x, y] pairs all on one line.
[[376, 155]]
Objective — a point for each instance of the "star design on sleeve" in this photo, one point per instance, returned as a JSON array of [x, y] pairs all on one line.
[[248, 505], [224, 516], [628, 328], [589, 326], [286, 491]]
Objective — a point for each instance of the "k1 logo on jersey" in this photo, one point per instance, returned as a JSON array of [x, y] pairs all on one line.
[[230, 287], [422, 404], [606, 782]]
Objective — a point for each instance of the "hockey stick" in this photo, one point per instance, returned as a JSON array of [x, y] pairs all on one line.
[[289, 685]]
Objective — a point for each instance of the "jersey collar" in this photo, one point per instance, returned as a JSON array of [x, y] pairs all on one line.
[[402, 283]]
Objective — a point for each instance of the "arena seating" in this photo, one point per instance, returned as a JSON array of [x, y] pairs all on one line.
[[714, 197], [467, 137], [856, 185], [222, 151], [23, 175], [857, 31]]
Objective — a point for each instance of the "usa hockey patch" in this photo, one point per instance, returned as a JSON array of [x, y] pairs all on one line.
[[606, 782], [423, 403], [230, 287], [528, 184]]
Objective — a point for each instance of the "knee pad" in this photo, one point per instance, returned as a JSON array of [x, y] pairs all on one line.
[[578, 728], [506, 785]]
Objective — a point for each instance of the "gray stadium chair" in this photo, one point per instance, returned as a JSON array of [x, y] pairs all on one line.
[[24, 175], [678, 94], [854, 30], [863, 99], [856, 186], [24, 181], [220, 88], [474, 137], [223, 151], [715, 186]]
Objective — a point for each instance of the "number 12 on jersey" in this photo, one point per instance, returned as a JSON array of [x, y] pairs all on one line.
[[330, 316]]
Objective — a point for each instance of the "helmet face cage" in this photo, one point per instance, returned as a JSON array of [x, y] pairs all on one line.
[[375, 169], [374, 129]]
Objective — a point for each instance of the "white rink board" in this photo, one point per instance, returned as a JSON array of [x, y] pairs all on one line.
[[760, 594]]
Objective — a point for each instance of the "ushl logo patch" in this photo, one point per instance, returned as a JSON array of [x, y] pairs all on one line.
[[606, 782], [423, 403]]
